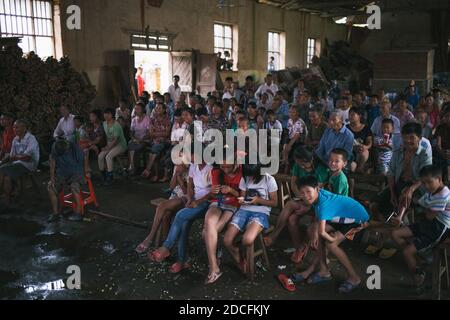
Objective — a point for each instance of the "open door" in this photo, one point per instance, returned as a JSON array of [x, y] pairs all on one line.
[[183, 64]]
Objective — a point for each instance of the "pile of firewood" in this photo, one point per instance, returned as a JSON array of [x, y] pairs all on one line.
[[337, 62], [34, 89], [340, 62]]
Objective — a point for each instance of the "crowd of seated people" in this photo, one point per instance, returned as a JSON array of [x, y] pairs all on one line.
[[324, 139]]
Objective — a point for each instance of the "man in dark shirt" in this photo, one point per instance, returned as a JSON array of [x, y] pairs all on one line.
[[66, 169]]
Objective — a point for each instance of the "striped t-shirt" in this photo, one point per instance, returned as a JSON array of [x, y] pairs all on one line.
[[439, 203]]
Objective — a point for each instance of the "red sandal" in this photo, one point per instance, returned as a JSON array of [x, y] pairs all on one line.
[[157, 256], [286, 282], [178, 267]]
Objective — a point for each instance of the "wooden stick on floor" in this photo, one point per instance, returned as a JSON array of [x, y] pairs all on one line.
[[118, 219]]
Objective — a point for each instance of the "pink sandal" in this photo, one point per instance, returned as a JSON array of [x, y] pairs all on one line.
[[141, 248], [178, 267], [157, 256]]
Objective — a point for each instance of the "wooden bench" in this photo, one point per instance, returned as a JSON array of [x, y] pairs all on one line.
[[440, 269]]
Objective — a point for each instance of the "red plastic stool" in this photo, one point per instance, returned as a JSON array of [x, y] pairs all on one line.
[[86, 198]]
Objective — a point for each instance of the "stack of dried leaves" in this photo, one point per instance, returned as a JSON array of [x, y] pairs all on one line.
[[34, 89]]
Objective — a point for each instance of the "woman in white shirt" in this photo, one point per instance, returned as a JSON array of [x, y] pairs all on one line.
[[197, 203]]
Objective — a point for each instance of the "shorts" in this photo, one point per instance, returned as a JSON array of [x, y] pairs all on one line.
[[14, 170], [74, 182], [158, 148], [177, 193], [428, 234], [349, 230], [224, 207], [136, 147], [243, 218]]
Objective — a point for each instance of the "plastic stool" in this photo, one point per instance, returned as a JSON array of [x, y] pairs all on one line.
[[86, 198]]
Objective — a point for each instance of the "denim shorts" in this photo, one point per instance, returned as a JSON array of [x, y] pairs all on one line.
[[224, 207], [243, 218]]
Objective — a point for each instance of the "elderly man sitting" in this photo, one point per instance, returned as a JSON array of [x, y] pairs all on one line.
[[337, 135], [403, 179], [22, 160]]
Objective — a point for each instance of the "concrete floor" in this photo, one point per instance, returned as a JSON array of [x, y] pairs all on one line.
[[34, 253]]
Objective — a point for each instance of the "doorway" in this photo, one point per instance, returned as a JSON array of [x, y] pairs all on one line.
[[156, 71]]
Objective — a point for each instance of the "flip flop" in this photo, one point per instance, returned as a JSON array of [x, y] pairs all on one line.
[[347, 287], [213, 277], [387, 253], [371, 250], [316, 278], [145, 174], [298, 278], [178, 267], [157, 256], [286, 282]]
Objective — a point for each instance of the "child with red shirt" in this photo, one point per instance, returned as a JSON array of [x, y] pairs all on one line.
[[225, 190]]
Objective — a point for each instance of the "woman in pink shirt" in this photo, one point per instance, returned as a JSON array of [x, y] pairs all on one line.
[[140, 126], [402, 113], [433, 110], [160, 140]]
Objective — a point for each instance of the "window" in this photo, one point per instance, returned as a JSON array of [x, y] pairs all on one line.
[[274, 50], [32, 20], [311, 50], [223, 39], [153, 41]]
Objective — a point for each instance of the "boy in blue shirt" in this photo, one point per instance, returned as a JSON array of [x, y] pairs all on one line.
[[337, 218]]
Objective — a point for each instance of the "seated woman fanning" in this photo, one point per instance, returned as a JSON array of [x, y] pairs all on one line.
[[139, 132], [160, 134]]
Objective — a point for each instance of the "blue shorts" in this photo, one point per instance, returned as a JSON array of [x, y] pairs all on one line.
[[243, 218]]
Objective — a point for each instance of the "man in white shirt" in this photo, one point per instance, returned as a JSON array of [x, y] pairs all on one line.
[[66, 125], [268, 87], [22, 160], [175, 89]]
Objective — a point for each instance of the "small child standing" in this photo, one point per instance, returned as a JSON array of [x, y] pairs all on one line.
[[384, 146], [338, 182], [426, 234]]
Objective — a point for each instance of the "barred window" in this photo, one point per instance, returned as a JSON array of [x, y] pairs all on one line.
[[274, 50], [311, 52], [223, 38], [32, 20]]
